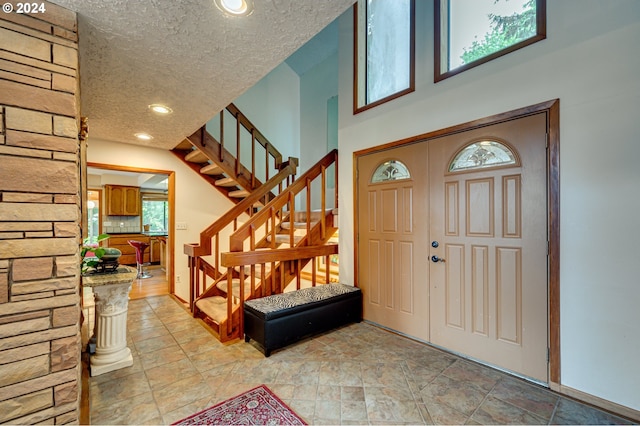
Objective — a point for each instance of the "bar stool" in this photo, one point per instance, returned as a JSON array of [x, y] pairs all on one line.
[[140, 248]]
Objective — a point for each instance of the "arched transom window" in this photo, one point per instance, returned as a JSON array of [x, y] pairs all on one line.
[[483, 154], [390, 170]]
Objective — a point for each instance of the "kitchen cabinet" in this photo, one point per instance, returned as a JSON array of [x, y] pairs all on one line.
[[155, 250], [120, 241], [163, 253], [122, 200]]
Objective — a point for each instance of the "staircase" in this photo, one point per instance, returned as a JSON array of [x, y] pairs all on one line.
[[274, 236], [219, 161]]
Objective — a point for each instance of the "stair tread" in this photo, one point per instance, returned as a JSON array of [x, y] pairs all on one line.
[[285, 239], [184, 145], [267, 268], [211, 169], [315, 215], [196, 156], [241, 193], [227, 181], [235, 286], [214, 307], [296, 225]]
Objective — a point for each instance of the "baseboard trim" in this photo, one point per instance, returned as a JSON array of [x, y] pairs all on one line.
[[604, 404]]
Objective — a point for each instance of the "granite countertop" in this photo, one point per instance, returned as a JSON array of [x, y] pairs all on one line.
[[123, 275], [155, 233]]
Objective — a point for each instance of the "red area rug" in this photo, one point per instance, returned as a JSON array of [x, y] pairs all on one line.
[[259, 406]]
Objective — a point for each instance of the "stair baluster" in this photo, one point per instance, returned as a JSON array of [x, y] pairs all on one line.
[[254, 272]]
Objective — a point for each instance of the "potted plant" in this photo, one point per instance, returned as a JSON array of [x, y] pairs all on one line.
[[91, 253]]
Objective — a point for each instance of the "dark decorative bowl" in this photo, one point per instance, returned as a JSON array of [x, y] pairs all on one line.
[[111, 254]]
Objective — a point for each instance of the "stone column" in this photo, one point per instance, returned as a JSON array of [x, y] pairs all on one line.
[[40, 364]]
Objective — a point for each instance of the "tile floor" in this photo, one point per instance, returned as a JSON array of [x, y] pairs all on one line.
[[358, 374]]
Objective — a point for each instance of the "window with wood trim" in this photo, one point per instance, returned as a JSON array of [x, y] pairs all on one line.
[[469, 33], [384, 51], [155, 212]]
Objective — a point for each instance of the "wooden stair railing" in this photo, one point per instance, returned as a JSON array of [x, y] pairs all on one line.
[[285, 202], [209, 243], [216, 162], [283, 264], [203, 270], [287, 264]]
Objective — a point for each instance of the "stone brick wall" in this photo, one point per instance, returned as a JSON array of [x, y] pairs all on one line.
[[39, 218]]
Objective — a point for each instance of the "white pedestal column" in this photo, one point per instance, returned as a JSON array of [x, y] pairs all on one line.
[[111, 293]]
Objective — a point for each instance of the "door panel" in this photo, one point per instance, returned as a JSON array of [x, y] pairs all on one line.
[[480, 203], [454, 286], [393, 239], [484, 292], [489, 296], [480, 290]]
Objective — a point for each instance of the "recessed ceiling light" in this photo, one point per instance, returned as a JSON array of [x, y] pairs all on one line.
[[236, 7], [160, 109], [143, 136]]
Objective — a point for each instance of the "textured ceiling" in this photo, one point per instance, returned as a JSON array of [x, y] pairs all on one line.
[[186, 54]]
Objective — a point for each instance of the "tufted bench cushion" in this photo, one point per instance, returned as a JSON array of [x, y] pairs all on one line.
[[278, 320], [278, 305]]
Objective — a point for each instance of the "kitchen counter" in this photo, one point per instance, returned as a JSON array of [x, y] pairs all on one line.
[[155, 233], [121, 242], [153, 254]]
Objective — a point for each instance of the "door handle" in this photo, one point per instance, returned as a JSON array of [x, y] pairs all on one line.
[[436, 259]]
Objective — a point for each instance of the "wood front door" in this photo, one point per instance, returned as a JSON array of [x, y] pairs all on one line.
[[488, 279], [477, 239], [393, 235]]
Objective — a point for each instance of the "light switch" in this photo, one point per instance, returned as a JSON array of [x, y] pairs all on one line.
[[181, 225]]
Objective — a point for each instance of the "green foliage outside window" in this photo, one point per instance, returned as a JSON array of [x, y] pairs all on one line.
[[505, 31], [154, 213]]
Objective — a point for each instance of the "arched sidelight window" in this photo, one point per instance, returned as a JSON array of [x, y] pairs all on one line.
[[390, 170], [483, 154]]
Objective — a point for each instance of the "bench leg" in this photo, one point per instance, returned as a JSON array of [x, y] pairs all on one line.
[[247, 338]]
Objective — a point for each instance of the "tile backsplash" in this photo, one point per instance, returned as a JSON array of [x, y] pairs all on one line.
[[121, 224]]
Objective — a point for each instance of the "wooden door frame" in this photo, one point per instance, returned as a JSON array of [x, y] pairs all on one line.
[[171, 195], [552, 110]]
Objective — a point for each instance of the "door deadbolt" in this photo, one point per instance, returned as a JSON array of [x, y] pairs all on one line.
[[434, 244]]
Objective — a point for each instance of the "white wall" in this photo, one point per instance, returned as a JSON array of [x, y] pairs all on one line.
[[196, 202], [317, 85], [591, 62], [273, 106]]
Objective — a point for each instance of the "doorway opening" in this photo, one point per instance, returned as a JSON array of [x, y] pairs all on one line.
[[156, 218]]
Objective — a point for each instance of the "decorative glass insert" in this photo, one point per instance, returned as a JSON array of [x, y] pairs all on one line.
[[482, 154], [384, 51], [390, 170], [472, 32]]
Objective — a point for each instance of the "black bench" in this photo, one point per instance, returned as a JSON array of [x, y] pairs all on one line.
[[281, 319]]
